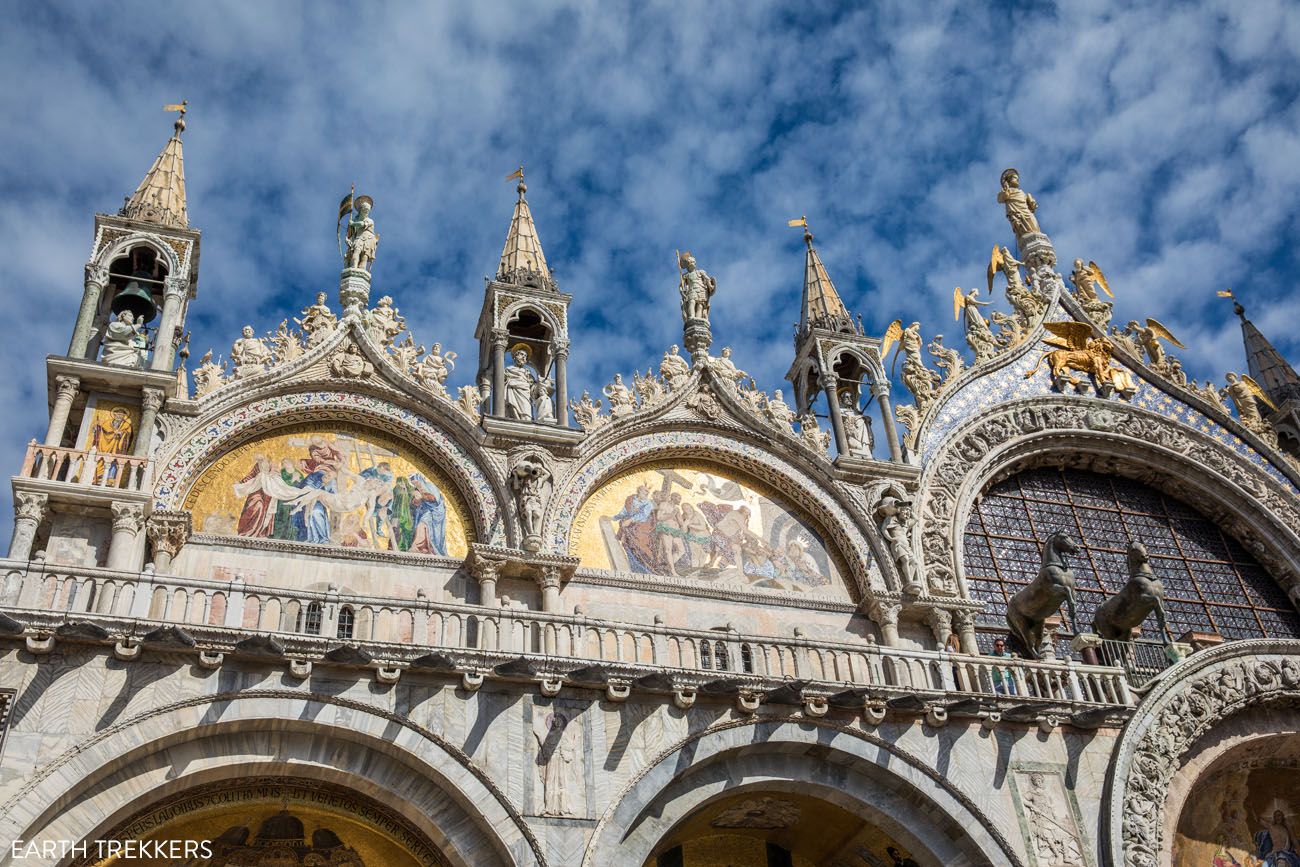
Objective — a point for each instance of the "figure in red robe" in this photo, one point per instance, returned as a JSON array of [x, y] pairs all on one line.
[[257, 518]]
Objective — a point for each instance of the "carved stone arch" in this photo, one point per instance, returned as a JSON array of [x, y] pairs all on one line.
[[847, 529], [475, 477], [817, 757], [558, 331], [1112, 438], [375, 749], [870, 361], [120, 246], [1186, 705]]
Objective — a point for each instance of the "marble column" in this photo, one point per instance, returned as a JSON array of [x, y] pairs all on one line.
[[168, 531], [886, 616], [29, 511], [549, 581], [486, 572], [128, 518], [499, 339], [964, 623], [881, 392], [562, 382], [96, 280], [164, 351], [940, 623], [67, 391], [837, 422], [150, 403]]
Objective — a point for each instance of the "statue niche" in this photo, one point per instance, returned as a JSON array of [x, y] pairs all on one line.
[[527, 364], [135, 288]]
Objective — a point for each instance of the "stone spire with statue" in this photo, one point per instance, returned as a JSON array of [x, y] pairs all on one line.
[[362, 242], [696, 288]]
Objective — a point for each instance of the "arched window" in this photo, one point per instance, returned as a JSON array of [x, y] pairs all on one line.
[[706, 654], [720, 656], [1212, 583], [747, 659], [347, 622], [312, 626]]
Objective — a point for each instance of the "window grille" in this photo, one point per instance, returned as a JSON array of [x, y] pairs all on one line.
[[347, 622], [313, 619]]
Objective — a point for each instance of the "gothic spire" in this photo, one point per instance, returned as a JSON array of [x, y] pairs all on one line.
[[822, 307], [1267, 366], [522, 253], [160, 198]]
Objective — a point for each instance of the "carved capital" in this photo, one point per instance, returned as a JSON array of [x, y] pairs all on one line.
[[29, 506], [560, 348], [176, 286], [487, 570], [152, 399], [940, 622], [963, 620], [127, 517], [885, 612], [96, 276], [168, 530], [499, 338], [66, 387], [549, 578]]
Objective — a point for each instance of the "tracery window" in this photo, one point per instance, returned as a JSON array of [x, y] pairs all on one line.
[[347, 622], [313, 619], [1212, 584]]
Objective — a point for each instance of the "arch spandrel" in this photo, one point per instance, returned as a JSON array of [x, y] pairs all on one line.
[[122, 244]]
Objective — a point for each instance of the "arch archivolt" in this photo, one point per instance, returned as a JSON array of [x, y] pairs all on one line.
[[387, 758], [1108, 438], [859, 771], [870, 362], [208, 438], [548, 317], [1200, 696], [121, 246], [845, 530]]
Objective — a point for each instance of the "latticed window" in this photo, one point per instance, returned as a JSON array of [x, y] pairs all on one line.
[[1212, 584], [347, 622], [312, 626], [706, 655]]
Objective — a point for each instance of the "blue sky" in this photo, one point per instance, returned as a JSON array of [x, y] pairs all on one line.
[[1162, 141]]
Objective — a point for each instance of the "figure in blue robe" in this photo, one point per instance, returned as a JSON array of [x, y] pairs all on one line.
[[429, 511], [315, 519]]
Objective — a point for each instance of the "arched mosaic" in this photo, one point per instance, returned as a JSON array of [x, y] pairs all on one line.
[[699, 521], [1212, 583], [341, 485]]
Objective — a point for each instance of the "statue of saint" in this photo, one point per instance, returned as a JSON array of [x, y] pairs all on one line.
[[384, 323], [620, 397], [525, 389], [727, 368], [529, 481], [433, 369], [857, 427], [250, 354], [697, 288], [363, 240], [674, 369], [317, 321], [125, 344], [778, 410], [1020, 206]]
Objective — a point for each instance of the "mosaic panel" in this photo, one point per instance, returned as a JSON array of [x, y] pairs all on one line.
[[1211, 583]]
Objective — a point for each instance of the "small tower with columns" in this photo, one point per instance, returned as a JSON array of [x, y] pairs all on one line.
[[523, 334], [1279, 381], [834, 358], [83, 492]]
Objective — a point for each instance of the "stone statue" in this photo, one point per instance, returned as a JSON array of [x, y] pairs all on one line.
[[978, 336], [726, 368], [469, 399], [1054, 839], [433, 369], [1246, 396], [351, 363], [920, 380], [1117, 616], [697, 289], [620, 397], [250, 354], [384, 323], [1210, 392], [530, 482], [208, 377], [895, 520], [363, 240], [1030, 608], [285, 345], [1020, 206], [558, 760], [1176, 373], [1086, 279], [587, 412], [857, 427], [812, 434], [778, 411], [543, 393], [1027, 303], [1149, 338], [406, 355], [125, 343], [520, 380], [947, 358], [674, 369], [317, 321]]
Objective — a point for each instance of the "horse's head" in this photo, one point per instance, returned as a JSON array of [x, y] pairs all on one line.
[[1137, 556], [1061, 543]]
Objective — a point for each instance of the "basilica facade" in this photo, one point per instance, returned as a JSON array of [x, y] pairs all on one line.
[[1030, 600]]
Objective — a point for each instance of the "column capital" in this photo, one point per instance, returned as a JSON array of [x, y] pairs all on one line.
[[486, 570], [499, 337], [30, 505], [96, 275], [152, 399], [176, 286], [885, 612], [67, 386], [879, 389], [560, 347], [549, 577], [169, 530], [127, 517], [940, 622]]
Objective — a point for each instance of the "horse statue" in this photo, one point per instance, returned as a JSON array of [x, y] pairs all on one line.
[[1116, 617], [1031, 607]]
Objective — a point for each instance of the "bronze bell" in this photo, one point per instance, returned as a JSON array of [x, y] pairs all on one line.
[[137, 298]]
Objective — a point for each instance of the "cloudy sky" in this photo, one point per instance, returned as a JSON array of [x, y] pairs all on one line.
[[1162, 141]]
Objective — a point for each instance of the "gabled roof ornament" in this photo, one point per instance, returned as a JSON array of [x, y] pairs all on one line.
[[821, 307]]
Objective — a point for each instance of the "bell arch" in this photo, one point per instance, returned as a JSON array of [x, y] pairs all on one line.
[[232, 426], [1114, 439], [157, 754], [856, 771], [856, 548], [176, 268]]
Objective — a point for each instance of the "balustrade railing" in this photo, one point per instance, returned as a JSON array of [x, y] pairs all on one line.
[[451, 626], [84, 467]]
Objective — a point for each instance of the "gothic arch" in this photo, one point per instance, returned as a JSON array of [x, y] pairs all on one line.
[[176, 269], [852, 768], [99, 782], [229, 426], [1189, 702], [857, 548], [548, 317], [1112, 438]]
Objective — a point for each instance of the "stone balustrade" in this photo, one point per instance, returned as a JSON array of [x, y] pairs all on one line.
[[399, 630], [87, 468]]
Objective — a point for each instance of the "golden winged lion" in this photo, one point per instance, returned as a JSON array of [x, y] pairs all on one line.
[[1077, 349]]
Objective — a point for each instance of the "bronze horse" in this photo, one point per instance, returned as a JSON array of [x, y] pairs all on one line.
[[1032, 606], [1118, 615]]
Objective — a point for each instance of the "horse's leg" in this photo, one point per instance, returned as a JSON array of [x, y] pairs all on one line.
[[1074, 614]]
